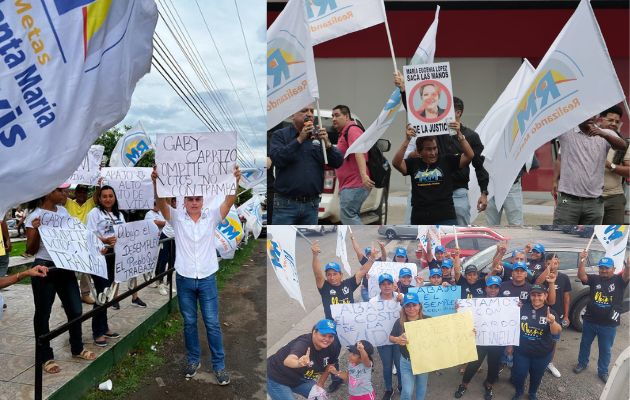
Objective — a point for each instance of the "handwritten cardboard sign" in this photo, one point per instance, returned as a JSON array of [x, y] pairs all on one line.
[[88, 171], [371, 321], [437, 300], [496, 319], [133, 186], [137, 247]]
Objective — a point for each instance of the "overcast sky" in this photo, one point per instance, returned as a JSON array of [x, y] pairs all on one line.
[[160, 109]]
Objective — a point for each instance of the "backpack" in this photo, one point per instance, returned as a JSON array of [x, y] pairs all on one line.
[[377, 164]]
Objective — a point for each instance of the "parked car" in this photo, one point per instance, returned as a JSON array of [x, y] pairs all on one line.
[[321, 229], [568, 265], [12, 225]]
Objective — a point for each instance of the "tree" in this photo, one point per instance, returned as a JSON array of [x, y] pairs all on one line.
[[109, 138]]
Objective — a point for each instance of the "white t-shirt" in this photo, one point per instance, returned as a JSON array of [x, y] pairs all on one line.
[[196, 256], [102, 222], [167, 229], [42, 252]]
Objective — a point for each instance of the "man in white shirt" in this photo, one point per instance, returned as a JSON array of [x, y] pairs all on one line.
[[196, 264]]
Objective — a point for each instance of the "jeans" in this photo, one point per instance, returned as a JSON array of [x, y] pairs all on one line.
[[605, 339], [494, 354], [411, 381], [287, 211], [278, 391], [4, 264], [534, 366], [165, 253], [571, 211], [365, 293], [63, 283], [462, 207], [614, 208], [99, 320], [513, 207], [390, 355], [202, 291], [350, 202]]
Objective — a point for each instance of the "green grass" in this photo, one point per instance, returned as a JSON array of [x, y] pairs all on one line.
[[18, 248], [141, 360]]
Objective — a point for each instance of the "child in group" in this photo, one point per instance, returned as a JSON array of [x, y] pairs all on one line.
[[359, 374]]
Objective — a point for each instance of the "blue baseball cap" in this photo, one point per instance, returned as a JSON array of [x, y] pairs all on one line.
[[400, 252], [404, 272], [435, 271], [332, 265], [521, 265], [411, 298], [538, 248], [367, 251], [385, 277], [493, 280], [514, 252], [448, 263], [326, 326], [606, 262], [440, 249]]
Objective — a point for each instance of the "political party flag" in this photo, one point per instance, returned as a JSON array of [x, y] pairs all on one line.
[[342, 251], [281, 253], [426, 231], [61, 89], [291, 77], [424, 54], [574, 81], [251, 177], [329, 19], [252, 213], [614, 238], [228, 234], [492, 123], [131, 147]]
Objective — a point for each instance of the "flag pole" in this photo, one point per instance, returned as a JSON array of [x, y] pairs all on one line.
[[588, 246], [301, 234], [319, 122], [625, 102], [389, 38]]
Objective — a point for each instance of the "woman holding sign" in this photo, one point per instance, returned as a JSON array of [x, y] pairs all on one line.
[[57, 281]]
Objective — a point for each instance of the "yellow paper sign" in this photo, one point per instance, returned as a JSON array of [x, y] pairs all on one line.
[[2, 251], [441, 342]]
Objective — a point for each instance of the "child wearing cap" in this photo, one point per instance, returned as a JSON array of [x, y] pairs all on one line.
[[405, 277], [359, 374], [536, 264]]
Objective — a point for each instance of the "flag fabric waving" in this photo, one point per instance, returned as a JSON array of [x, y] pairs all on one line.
[[130, 147], [329, 19], [281, 252], [614, 238]]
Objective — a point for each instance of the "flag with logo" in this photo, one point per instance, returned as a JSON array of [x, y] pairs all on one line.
[[291, 77], [228, 234], [492, 123], [130, 148], [342, 251], [281, 253], [71, 81], [614, 238], [574, 81], [252, 213], [329, 19], [426, 231], [250, 177], [424, 55]]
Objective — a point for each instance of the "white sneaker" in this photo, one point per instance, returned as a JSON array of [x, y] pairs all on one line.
[[394, 370], [162, 289], [554, 371], [154, 284]]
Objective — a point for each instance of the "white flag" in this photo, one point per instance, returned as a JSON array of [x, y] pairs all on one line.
[[329, 19], [130, 147], [614, 238], [228, 234], [574, 81], [423, 236], [424, 54], [291, 77], [251, 177], [71, 80], [281, 253], [252, 213], [342, 251], [493, 122]]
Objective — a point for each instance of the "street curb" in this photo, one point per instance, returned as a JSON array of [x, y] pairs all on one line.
[[90, 377]]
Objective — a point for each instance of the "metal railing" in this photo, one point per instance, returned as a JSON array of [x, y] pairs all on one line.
[[43, 340]]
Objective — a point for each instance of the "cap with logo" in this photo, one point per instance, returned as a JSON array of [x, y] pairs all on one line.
[[538, 289], [521, 265], [326, 326], [440, 249], [385, 277], [538, 248], [404, 272], [606, 262], [435, 271], [493, 280], [400, 252], [470, 268], [332, 265], [448, 263], [411, 298]]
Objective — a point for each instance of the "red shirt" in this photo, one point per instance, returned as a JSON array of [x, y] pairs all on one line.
[[348, 174]]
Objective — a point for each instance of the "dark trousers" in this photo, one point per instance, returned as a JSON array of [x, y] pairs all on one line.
[[164, 255], [494, 357], [63, 283], [99, 320], [534, 366]]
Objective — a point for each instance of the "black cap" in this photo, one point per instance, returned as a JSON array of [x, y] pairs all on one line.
[[471, 268], [367, 346], [538, 289]]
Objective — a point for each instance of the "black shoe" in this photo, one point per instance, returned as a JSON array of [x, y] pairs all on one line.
[[460, 391], [336, 384], [222, 377], [4, 306], [191, 370], [603, 377], [116, 306], [388, 394], [579, 368], [489, 393], [113, 335], [138, 303], [100, 343]]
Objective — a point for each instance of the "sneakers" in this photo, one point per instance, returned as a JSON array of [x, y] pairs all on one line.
[[153, 284], [579, 368], [113, 335], [388, 395], [222, 377], [138, 303], [489, 393], [394, 370], [87, 299], [163, 289], [100, 343], [603, 377], [554, 371], [460, 391], [191, 370], [116, 306]]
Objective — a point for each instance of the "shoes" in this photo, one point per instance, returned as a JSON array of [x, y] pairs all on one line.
[[191, 369], [4, 306], [603, 377], [154, 284], [394, 370], [554, 371], [138, 303], [489, 393], [533, 396], [163, 289], [336, 384], [223, 378], [116, 306], [113, 335], [460, 391], [87, 299], [100, 343], [579, 368], [388, 395]]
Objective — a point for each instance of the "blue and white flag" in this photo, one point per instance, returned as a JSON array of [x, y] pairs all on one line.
[[329, 19], [281, 253], [228, 234], [251, 177], [251, 210], [130, 148], [614, 238]]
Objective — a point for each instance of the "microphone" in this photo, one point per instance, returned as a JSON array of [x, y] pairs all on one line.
[[308, 118]]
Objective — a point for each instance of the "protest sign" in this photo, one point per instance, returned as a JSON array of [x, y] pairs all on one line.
[[371, 321], [133, 186], [196, 164], [228, 234], [281, 253], [438, 300], [137, 247], [441, 342], [88, 171], [429, 98], [71, 245], [496, 319], [387, 267]]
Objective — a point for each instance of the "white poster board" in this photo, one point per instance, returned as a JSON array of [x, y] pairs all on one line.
[[496, 319], [88, 171], [429, 98], [389, 267], [137, 248], [196, 164], [133, 186], [371, 321]]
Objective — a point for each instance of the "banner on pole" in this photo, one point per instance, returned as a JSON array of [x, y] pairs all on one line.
[[342, 250], [329, 19], [281, 253], [228, 234], [130, 148], [614, 238]]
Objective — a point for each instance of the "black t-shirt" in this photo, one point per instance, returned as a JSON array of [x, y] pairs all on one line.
[[536, 337], [435, 264], [432, 189], [341, 294], [606, 298], [397, 330], [475, 290], [536, 268], [508, 289], [292, 377], [364, 281], [563, 285]]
